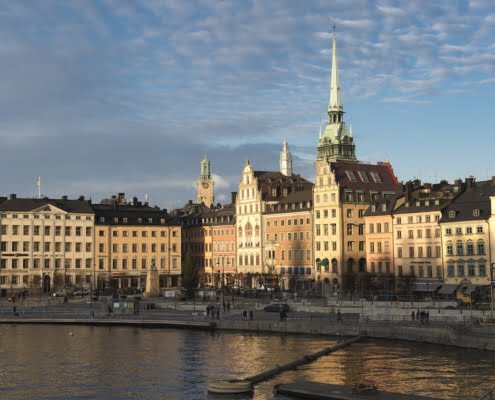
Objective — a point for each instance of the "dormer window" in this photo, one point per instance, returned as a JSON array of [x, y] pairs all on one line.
[[373, 208], [451, 214], [476, 212], [427, 203], [384, 207], [437, 202], [417, 204], [407, 204]]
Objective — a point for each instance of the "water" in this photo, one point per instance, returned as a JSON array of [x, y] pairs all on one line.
[[79, 362]]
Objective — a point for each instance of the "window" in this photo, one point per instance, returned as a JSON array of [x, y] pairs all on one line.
[[469, 230], [460, 249], [348, 196], [450, 270], [378, 228], [419, 233], [351, 176], [460, 270], [410, 234], [372, 228], [450, 250], [476, 212], [385, 227], [411, 252], [479, 229], [458, 231], [399, 252], [470, 249], [471, 270], [376, 177], [481, 248], [399, 234], [428, 233], [349, 229], [451, 214], [448, 231], [349, 213], [399, 220], [482, 270], [363, 176]]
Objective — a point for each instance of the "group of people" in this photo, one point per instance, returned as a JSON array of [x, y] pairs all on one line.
[[421, 317], [247, 315]]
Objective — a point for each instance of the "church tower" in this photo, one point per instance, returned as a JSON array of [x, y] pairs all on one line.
[[285, 160], [335, 142], [205, 185]]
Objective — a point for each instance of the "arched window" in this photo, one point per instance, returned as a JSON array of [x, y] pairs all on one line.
[[249, 230]]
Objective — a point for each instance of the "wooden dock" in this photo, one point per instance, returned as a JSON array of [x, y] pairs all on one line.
[[325, 391]]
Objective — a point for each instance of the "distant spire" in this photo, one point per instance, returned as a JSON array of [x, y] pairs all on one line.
[[350, 127], [335, 103], [285, 160]]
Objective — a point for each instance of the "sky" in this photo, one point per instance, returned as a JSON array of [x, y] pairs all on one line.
[[108, 96]]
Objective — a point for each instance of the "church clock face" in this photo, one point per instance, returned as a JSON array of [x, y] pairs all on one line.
[[205, 185]]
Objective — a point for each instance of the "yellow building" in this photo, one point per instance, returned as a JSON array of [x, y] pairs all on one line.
[[288, 242], [466, 238], [130, 239], [46, 244]]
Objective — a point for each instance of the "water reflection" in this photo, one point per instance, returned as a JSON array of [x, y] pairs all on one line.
[[46, 362]]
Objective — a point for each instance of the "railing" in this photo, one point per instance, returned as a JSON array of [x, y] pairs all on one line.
[[490, 395]]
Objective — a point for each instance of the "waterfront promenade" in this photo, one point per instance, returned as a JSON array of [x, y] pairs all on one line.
[[457, 327]]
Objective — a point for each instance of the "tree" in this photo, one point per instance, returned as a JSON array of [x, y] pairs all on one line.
[[190, 276]]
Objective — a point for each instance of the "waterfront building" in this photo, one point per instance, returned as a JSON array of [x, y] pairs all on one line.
[[288, 241], [379, 231], [46, 244], [259, 192], [193, 238], [132, 238], [417, 236], [343, 190], [465, 227], [205, 185], [223, 267]]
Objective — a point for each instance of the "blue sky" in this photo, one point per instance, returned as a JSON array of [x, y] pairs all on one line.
[[100, 97]]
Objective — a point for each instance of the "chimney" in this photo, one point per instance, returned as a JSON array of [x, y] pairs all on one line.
[[457, 185], [189, 202], [13, 196], [469, 182], [134, 201], [64, 198], [81, 198], [121, 198], [417, 183], [233, 195]]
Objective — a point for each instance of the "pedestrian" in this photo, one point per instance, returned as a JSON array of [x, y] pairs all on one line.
[[228, 306], [218, 313], [417, 315], [427, 316], [251, 315], [413, 317], [422, 316], [207, 311], [282, 315], [65, 299], [339, 316], [223, 306], [14, 309], [245, 315]]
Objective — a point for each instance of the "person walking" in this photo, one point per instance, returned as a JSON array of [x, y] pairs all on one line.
[[228, 306], [245, 315], [251, 315], [218, 313], [413, 317], [339, 316]]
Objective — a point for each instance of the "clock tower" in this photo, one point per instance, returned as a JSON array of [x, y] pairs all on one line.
[[205, 185]]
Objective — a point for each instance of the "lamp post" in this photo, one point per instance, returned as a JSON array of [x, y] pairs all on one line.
[[223, 273]]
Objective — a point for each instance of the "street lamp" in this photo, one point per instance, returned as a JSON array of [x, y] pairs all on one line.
[[223, 271]]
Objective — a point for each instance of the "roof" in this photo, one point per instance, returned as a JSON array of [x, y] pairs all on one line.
[[366, 178], [379, 209], [30, 204], [220, 216], [275, 186], [134, 214], [473, 198]]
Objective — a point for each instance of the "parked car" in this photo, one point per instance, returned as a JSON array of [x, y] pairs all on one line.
[[131, 292], [81, 292], [109, 291], [277, 307], [59, 293]]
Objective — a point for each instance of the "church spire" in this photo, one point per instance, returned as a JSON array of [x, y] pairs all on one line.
[[285, 160], [335, 102]]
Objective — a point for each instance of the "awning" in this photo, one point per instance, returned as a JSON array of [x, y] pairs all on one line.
[[468, 289], [424, 286], [448, 288]]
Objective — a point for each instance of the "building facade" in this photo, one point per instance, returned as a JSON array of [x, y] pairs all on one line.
[[46, 244], [132, 238]]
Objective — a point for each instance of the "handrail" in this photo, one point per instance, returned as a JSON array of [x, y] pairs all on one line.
[[490, 395]]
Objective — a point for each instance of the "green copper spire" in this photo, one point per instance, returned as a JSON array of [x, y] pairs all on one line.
[[335, 143]]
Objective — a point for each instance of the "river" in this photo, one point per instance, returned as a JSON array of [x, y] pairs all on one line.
[[81, 362]]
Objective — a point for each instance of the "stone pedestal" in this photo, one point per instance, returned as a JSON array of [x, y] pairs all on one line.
[[152, 283]]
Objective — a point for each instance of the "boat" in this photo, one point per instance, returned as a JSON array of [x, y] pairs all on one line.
[[230, 386]]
